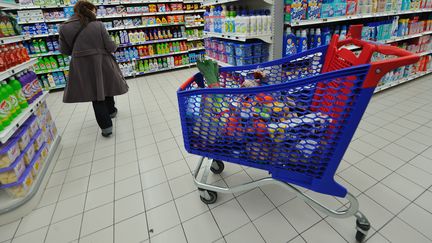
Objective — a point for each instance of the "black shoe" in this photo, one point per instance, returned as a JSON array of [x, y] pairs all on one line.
[[114, 114], [107, 132]]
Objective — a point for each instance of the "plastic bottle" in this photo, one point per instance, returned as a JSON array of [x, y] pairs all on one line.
[[311, 38], [42, 46], [24, 52], [223, 16], [253, 23], [260, 19], [50, 45], [60, 61], [5, 113], [54, 64], [14, 107], [35, 45], [302, 42], [3, 62], [268, 22], [16, 86], [343, 33], [56, 45], [290, 42], [317, 39], [326, 36]]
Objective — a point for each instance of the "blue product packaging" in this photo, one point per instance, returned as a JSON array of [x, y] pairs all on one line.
[[327, 10], [229, 48], [232, 60], [314, 9], [265, 49], [340, 9], [257, 49], [256, 60], [298, 9], [243, 50]]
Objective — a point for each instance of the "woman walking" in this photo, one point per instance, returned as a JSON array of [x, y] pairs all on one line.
[[94, 75]]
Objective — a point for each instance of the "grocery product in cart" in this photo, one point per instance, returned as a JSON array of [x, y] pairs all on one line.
[[293, 117]]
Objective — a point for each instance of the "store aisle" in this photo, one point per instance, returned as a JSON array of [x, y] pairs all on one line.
[[137, 185]]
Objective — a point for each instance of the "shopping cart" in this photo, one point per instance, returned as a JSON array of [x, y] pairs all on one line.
[[296, 124]]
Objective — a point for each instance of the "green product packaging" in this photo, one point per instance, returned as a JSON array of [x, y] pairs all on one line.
[[16, 86], [47, 63], [13, 102], [42, 46], [53, 61], [5, 114], [36, 46]]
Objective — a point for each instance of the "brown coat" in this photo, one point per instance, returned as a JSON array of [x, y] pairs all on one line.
[[93, 73]]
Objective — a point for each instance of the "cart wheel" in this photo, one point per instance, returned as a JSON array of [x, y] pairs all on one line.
[[363, 227], [217, 167], [360, 236], [213, 198]]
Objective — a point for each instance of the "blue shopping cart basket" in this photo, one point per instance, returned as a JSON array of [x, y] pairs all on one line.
[[296, 123]]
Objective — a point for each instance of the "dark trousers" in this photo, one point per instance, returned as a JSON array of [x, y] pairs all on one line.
[[102, 110]]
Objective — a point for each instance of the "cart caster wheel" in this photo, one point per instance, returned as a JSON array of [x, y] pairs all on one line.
[[211, 200], [360, 236], [363, 227], [217, 167]]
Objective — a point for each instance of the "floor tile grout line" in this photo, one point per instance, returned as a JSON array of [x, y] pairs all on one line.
[[140, 179], [88, 182], [172, 195]]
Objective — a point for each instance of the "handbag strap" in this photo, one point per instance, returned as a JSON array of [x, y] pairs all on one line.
[[76, 36]]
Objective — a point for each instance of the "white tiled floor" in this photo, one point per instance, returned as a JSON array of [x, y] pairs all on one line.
[[137, 187]]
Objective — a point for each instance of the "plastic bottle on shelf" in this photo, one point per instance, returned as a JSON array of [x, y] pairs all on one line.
[[260, 20], [16, 86], [317, 38], [253, 23], [50, 44], [302, 41], [60, 61], [290, 42], [268, 22], [222, 18], [54, 64], [14, 107], [3, 61], [24, 52], [42, 46], [5, 113], [35, 45]]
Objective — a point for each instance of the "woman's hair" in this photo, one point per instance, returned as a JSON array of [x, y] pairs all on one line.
[[84, 11]]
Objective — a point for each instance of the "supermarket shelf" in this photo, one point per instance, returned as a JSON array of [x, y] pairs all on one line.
[[43, 21], [195, 39], [53, 70], [14, 209], [144, 26], [425, 53], [401, 81], [22, 7], [194, 26], [152, 42], [215, 2], [194, 11], [222, 64], [18, 68], [8, 4], [161, 70], [20, 119], [265, 38], [352, 17], [154, 56], [13, 39], [57, 87], [197, 49], [43, 35], [51, 53]]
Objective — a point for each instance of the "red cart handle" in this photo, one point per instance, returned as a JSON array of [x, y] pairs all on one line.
[[379, 68]]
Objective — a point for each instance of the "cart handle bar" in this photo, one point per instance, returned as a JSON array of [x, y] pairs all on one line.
[[379, 68]]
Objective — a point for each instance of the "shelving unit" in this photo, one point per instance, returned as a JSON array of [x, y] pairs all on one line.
[[16, 69], [161, 70], [274, 38], [362, 18], [12, 209], [20, 119], [121, 28]]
